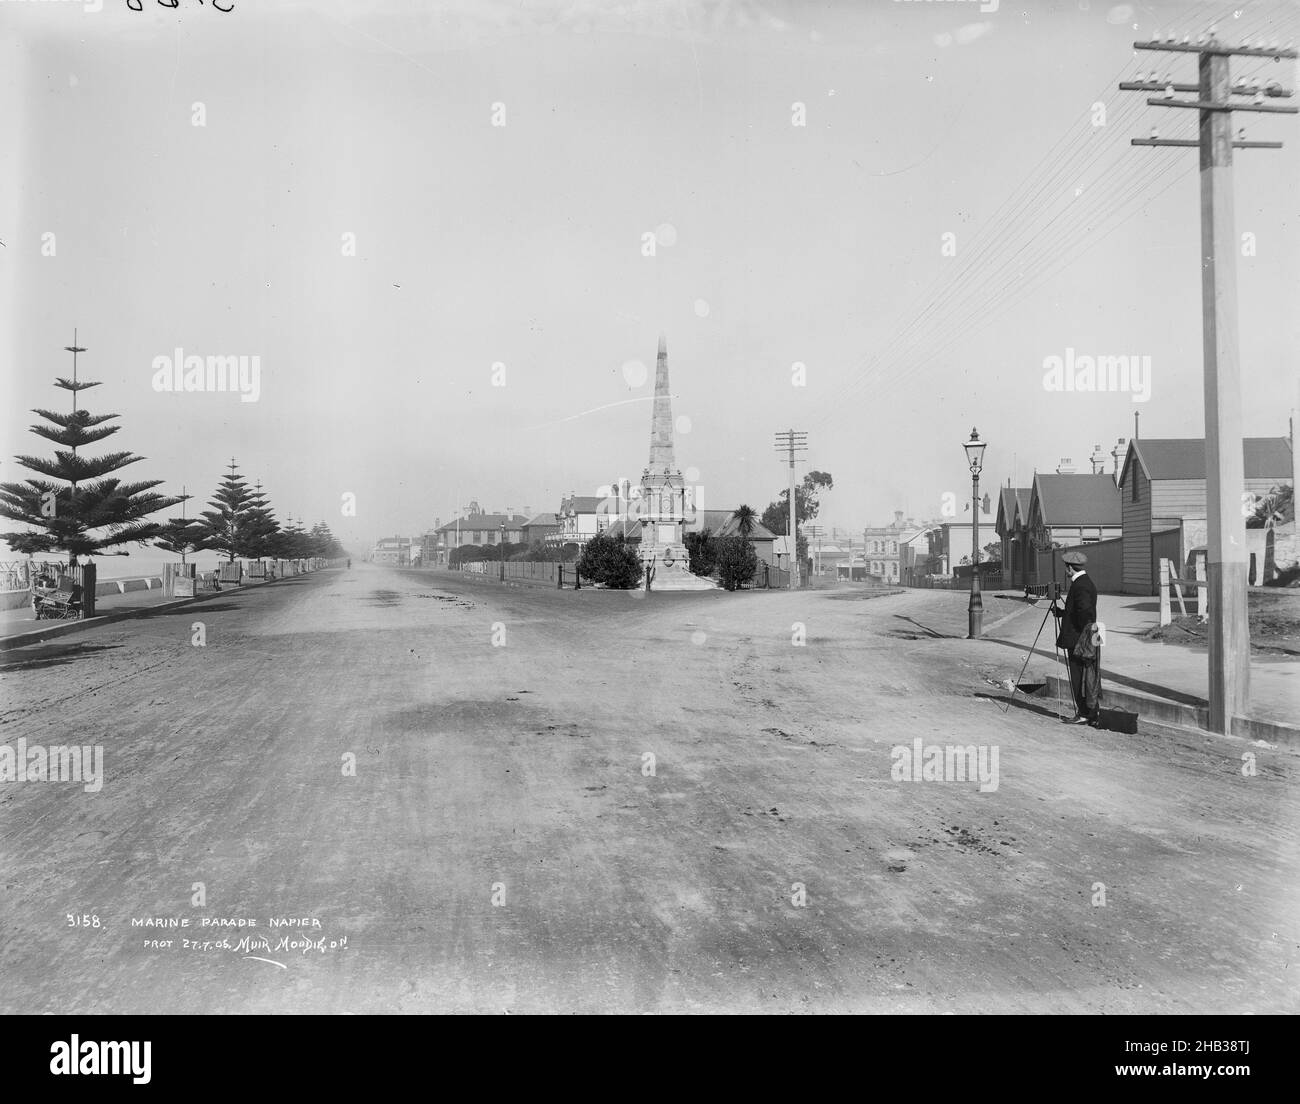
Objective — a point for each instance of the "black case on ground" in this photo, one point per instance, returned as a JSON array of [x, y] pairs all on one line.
[[1118, 720]]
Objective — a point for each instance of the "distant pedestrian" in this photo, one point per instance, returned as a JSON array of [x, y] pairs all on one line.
[[349, 564], [1077, 637]]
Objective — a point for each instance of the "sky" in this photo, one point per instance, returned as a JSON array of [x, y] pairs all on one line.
[[875, 222]]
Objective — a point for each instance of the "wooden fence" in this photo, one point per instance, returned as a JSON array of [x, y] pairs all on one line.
[[564, 575]]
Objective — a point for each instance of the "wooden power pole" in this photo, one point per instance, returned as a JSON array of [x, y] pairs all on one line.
[[1225, 465], [791, 442]]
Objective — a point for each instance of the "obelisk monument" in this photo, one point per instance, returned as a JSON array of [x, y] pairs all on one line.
[[664, 496]]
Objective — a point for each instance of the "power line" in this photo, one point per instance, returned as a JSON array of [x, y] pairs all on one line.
[[1080, 155]]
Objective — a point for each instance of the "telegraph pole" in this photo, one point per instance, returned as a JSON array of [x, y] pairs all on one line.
[[1225, 463], [1295, 457], [791, 442]]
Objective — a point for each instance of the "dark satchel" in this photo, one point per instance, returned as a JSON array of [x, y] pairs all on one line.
[[1085, 648]]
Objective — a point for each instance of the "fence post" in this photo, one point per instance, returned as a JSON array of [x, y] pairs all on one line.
[[1165, 615], [89, 573]]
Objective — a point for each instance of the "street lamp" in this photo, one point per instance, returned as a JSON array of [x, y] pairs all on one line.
[[975, 611], [618, 489], [503, 551]]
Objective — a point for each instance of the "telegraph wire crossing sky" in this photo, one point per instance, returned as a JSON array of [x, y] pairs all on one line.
[[388, 210]]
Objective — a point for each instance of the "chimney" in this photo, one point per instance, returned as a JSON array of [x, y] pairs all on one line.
[[1119, 452], [1065, 467], [898, 519], [1098, 460]]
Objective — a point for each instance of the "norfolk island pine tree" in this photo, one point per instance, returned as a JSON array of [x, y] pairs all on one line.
[[79, 508]]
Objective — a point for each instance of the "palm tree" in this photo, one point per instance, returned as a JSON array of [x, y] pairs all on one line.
[[745, 518]]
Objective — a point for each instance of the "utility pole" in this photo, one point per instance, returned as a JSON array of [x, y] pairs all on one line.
[[791, 442], [1295, 456], [1225, 463]]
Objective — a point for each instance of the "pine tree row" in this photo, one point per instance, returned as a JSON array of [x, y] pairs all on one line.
[[77, 506]]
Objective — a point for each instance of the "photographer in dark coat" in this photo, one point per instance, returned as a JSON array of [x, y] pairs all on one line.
[[1075, 634]]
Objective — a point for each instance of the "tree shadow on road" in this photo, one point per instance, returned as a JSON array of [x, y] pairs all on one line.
[[934, 634], [53, 655], [181, 611]]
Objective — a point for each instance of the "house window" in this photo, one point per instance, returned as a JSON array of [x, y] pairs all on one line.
[[478, 536], [1135, 487]]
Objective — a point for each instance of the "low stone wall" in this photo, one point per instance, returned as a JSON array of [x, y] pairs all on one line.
[[127, 586], [16, 599]]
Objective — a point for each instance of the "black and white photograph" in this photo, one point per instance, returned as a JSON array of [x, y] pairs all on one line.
[[650, 507]]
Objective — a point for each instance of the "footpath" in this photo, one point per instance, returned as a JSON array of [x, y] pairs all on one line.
[[19, 627], [1161, 682]]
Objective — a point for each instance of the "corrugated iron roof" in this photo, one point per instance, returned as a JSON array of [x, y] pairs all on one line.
[[1077, 499], [1185, 457], [483, 521], [722, 523]]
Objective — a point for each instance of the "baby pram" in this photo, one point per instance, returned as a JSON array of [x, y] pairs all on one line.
[[62, 601]]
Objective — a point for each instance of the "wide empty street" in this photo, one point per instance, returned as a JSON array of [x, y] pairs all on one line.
[[513, 799]]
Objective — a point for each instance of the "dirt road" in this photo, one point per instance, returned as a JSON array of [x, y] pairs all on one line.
[[501, 846]]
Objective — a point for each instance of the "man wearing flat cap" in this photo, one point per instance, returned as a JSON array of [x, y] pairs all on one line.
[[1076, 634]]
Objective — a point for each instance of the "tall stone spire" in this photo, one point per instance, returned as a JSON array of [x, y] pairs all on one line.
[[662, 506], [662, 460]]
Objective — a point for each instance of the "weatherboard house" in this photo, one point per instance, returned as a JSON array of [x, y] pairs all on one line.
[[1165, 503]]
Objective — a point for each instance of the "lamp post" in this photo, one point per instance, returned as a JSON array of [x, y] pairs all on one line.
[[618, 494], [975, 611], [503, 551]]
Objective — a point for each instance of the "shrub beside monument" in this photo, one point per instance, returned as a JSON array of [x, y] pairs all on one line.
[[737, 561], [611, 562]]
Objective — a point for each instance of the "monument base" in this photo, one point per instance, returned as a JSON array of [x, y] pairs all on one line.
[[679, 577]]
